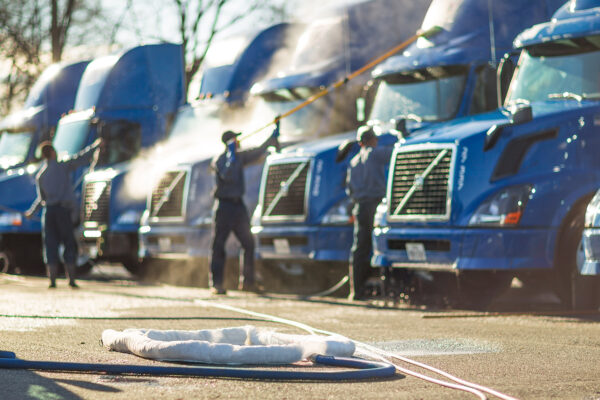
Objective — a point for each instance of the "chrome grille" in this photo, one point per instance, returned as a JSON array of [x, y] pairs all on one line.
[[285, 188], [421, 182], [168, 196], [96, 202]]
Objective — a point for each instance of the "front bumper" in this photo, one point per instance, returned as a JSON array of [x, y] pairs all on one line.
[[463, 249], [110, 246], [315, 243], [175, 241]]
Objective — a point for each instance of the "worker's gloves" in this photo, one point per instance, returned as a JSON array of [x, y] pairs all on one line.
[[231, 150], [344, 149], [276, 132]]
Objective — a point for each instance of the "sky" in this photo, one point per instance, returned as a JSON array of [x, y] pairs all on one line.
[[158, 22]]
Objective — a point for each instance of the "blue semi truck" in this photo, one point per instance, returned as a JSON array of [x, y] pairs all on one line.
[[448, 75], [51, 96], [176, 225], [130, 99], [362, 32], [477, 201]]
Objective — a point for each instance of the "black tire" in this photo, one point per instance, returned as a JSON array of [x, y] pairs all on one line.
[[478, 289], [84, 268], [576, 292], [135, 266], [7, 262]]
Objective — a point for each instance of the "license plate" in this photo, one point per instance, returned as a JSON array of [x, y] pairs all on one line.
[[164, 243], [282, 246], [415, 251]]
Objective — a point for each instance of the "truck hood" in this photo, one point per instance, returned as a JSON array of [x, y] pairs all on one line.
[[317, 146], [463, 128]]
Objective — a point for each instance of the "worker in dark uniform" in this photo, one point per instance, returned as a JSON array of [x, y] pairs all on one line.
[[56, 196], [365, 184], [229, 212]]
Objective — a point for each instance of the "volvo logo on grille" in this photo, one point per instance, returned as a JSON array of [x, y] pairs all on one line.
[[419, 182], [285, 188]]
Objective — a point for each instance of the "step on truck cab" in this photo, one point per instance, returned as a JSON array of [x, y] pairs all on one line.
[[129, 99], [176, 225], [482, 199], [447, 75], [51, 96]]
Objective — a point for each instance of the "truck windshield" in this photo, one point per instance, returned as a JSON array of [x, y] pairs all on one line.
[[202, 120], [199, 124], [71, 137], [556, 77], [432, 94], [14, 147], [318, 119]]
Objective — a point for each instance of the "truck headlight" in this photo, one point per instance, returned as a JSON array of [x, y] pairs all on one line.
[[339, 214], [129, 217], [504, 208], [592, 211], [380, 219], [11, 219]]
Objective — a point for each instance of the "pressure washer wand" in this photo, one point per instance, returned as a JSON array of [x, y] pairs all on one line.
[[420, 33]]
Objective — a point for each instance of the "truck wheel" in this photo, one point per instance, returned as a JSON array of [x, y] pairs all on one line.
[[7, 262], [84, 268], [576, 291], [135, 266], [478, 289]]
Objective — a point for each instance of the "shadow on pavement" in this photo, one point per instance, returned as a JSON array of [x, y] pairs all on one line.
[[23, 384]]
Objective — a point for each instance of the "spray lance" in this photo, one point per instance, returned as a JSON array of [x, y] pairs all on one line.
[[336, 85]]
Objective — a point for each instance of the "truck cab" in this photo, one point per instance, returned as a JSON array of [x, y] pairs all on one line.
[[443, 76], [51, 96], [176, 225], [129, 99], [476, 201]]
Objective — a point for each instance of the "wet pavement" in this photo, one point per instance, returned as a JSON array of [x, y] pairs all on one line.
[[527, 347]]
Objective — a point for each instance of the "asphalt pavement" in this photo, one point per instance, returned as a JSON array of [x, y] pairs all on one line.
[[527, 348]]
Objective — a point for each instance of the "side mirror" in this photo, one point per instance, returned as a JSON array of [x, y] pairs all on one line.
[[400, 127], [504, 75], [520, 113]]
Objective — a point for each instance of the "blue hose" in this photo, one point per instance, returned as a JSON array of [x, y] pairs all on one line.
[[363, 369]]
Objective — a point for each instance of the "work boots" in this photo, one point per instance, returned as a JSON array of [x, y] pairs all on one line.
[[71, 271], [52, 271]]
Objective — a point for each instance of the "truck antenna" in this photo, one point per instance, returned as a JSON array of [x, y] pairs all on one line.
[[492, 33]]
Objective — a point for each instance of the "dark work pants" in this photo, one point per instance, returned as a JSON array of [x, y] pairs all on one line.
[[57, 229], [362, 246], [231, 216]]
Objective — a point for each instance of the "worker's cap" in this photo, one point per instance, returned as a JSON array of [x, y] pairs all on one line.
[[228, 135], [365, 133]]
